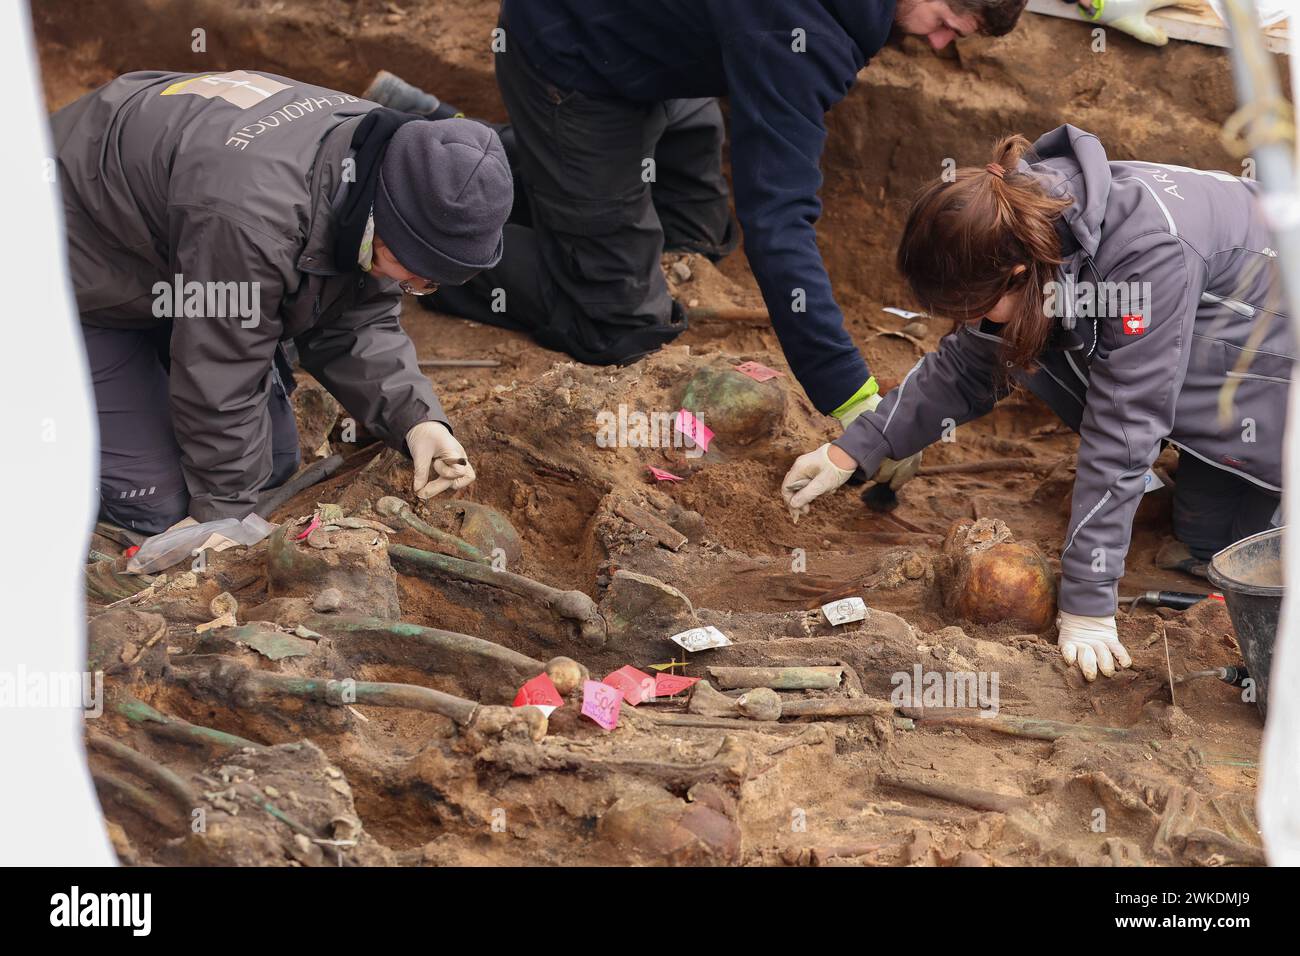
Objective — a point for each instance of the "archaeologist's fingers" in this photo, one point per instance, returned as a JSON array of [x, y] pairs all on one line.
[[434, 449], [897, 473], [1121, 655], [1087, 662], [1069, 651], [1105, 659], [1091, 642], [811, 476], [455, 474]]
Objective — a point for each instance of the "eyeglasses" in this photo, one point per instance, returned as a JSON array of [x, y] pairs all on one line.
[[428, 288]]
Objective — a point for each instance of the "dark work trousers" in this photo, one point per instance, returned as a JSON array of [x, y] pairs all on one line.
[[580, 269], [141, 484], [1214, 508]]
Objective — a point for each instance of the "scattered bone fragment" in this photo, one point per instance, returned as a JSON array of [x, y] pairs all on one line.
[[664, 533], [295, 809], [123, 637], [270, 640], [223, 607], [357, 567], [224, 603], [566, 674], [638, 605], [492, 722]]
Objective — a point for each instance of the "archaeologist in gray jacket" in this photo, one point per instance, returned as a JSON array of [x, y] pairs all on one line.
[[214, 218], [1142, 303]]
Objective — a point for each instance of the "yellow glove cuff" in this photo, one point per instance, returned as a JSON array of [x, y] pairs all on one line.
[[859, 402]]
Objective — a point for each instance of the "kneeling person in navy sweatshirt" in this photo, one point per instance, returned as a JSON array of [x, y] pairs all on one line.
[[616, 141]]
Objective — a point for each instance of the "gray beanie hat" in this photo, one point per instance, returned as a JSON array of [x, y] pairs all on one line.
[[443, 196]]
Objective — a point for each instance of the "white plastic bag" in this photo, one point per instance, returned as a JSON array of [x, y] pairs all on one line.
[[182, 541]]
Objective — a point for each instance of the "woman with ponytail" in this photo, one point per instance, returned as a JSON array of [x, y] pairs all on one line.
[[1141, 303]]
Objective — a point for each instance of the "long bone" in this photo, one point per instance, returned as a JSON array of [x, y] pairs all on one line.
[[452, 642], [240, 684], [165, 780], [391, 507], [572, 605]]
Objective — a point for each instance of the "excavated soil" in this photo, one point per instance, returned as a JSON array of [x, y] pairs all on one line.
[[361, 783]]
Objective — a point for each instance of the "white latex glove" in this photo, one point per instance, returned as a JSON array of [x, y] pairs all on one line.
[[811, 476], [891, 472], [1130, 16], [1092, 643], [897, 473], [433, 446]]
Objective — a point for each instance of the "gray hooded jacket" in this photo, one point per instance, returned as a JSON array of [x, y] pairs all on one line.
[[1168, 293], [228, 180]]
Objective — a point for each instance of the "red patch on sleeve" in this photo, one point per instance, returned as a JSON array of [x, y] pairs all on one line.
[[1135, 324]]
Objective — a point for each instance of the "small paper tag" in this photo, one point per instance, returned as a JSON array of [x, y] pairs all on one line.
[[540, 692], [1151, 482], [694, 429], [636, 686], [701, 638], [661, 475], [759, 373], [845, 611], [668, 684], [601, 703], [903, 313]]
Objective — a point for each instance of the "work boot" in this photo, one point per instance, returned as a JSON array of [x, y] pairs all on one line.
[[1175, 556], [392, 91]]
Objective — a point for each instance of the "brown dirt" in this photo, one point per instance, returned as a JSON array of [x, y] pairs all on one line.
[[766, 795]]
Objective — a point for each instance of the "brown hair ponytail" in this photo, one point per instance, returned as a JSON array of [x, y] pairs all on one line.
[[965, 239]]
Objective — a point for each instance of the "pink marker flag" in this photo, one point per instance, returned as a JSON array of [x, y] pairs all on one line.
[[661, 475], [315, 523], [694, 429], [540, 692], [668, 684], [759, 373], [637, 686], [601, 703]]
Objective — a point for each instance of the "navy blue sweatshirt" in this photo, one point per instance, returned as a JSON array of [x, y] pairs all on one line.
[[783, 64]]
